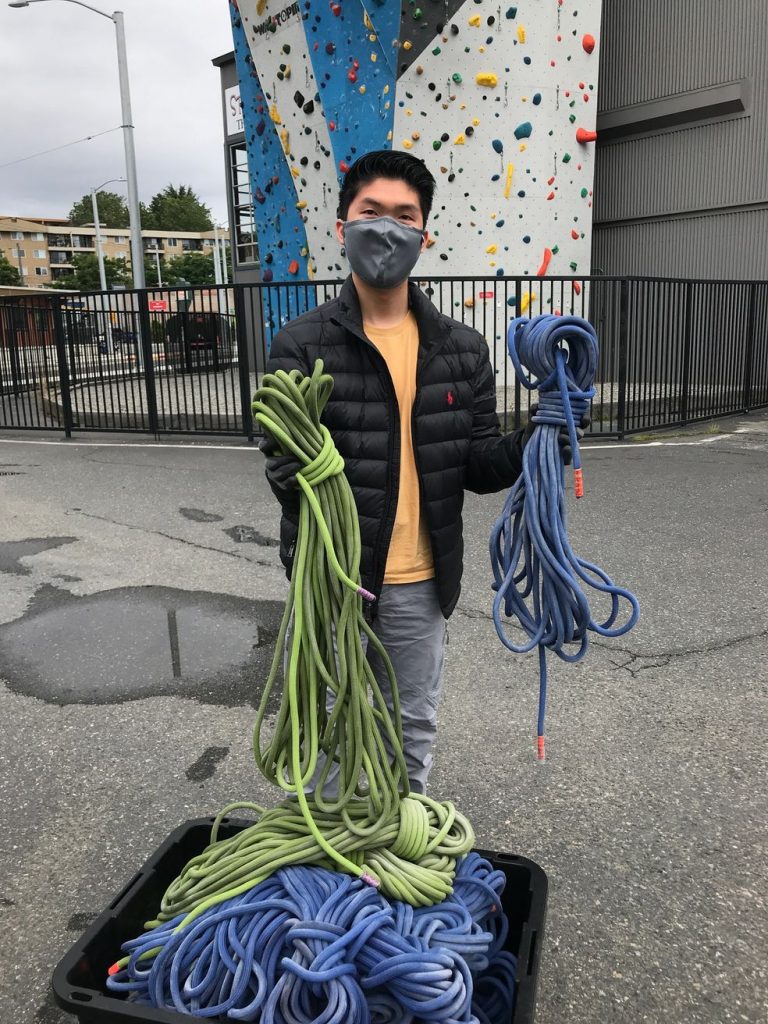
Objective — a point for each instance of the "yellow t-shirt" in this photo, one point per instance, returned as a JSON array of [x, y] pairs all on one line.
[[409, 559]]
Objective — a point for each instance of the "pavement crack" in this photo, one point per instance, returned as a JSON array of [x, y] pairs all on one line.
[[637, 663], [180, 540]]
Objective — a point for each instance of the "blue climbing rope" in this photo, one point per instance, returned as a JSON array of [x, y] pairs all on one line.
[[309, 944], [538, 579]]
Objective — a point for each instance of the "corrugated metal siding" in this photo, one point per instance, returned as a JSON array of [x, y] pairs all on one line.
[[655, 48], [660, 48], [730, 246]]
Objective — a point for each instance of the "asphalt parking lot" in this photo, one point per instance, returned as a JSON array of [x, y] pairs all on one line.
[[140, 592]]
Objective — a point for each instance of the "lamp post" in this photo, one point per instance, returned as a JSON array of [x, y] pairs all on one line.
[[97, 228], [130, 153], [157, 254]]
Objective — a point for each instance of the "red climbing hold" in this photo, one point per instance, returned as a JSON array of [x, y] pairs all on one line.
[[293, 267], [574, 234], [544, 263], [336, 8], [584, 135], [331, 126], [588, 42], [343, 166], [352, 75]]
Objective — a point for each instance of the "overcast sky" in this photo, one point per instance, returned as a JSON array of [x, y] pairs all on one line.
[[58, 83]]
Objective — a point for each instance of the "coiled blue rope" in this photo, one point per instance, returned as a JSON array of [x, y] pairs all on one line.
[[314, 945], [538, 578]]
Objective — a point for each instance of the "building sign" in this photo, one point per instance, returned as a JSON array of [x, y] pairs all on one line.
[[158, 305], [233, 111]]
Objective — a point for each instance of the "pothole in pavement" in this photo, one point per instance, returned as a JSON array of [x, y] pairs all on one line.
[[137, 642]]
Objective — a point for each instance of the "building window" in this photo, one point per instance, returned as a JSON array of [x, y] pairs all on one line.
[[172, 242], [37, 236], [191, 245], [82, 241], [41, 271], [59, 272], [61, 257], [244, 242], [18, 252], [39, 254], [59, 241], [120, 239], [17, 235]]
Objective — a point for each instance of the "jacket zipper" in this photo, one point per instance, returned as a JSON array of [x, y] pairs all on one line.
[[422, 502]]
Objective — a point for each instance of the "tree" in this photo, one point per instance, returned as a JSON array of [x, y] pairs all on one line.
[[8, 273], [86, 275], [113, 211], [194, 267], [176, 209]]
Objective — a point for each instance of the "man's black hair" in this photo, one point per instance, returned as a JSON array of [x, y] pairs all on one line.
[[387, 163]]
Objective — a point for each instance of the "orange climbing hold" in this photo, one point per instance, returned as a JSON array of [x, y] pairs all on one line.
[[585, 135], [544, 263], [588, 42], [293, 267]]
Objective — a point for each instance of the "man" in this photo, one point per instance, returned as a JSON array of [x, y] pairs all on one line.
[[413, 413]]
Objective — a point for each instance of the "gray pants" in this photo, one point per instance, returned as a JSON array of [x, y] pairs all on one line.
[[413, 632]]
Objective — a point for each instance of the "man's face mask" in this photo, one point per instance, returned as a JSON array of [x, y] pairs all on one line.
[[382, 251]]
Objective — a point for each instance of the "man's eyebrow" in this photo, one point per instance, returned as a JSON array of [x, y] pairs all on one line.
[[377, 202]]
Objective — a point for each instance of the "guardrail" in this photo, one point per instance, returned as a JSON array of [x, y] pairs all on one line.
[[188, 360]]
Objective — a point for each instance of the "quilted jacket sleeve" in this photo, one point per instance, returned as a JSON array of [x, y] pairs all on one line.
[[495, 461]]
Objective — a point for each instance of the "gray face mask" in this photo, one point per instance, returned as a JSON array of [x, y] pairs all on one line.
[[382, 251]]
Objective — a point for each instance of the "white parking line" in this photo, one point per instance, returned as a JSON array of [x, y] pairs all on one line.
[[245, 447]]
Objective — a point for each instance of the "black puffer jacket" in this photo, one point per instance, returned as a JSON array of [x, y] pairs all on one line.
[[456, 437]]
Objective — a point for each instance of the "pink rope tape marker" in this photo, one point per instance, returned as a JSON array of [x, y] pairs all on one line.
[[370, 880], [366, 594]]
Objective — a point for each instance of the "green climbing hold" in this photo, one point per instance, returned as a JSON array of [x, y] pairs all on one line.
[[457, 78], [417, 13], [555, 250], [436, 144], [573, 265], [566, 158], [584, 193], [436, 51]]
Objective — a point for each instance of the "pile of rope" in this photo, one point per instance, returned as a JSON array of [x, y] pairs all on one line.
[[314, 945], [538, 579]]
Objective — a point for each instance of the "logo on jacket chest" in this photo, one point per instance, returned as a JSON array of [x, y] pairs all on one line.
[[450, 398]]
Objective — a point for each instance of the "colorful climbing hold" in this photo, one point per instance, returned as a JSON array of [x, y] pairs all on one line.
[[508, 184], [521, 33], [588, 42], [498, 145], [487, 78], [584, 135], [544, 263], [524, 130]]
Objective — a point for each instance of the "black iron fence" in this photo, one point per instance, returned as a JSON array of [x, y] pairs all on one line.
[[164, 361]]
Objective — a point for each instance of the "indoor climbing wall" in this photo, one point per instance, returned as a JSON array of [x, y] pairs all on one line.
[[499, 101]]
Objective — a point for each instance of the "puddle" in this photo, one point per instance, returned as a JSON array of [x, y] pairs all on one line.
[[199, 515], [136, 642], [13, 550]]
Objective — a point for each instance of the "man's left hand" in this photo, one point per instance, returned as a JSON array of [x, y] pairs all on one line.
[[563, 439]]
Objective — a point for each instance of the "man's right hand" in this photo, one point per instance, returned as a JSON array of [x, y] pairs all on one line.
[[281, 469]]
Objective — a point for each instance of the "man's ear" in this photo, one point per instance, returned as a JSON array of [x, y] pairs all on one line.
[[340, 231], [424, 240]]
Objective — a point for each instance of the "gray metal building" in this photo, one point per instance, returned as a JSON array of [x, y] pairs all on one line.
[[681, 182]]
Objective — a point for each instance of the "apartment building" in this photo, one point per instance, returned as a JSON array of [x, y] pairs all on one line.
[[42, 249]]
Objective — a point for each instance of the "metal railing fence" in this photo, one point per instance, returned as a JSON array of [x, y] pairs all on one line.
[[163, 361]]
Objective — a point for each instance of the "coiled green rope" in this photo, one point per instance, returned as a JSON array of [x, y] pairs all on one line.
[[407, 844]]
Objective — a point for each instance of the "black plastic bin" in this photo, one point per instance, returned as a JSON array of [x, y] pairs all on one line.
[[79, 980]]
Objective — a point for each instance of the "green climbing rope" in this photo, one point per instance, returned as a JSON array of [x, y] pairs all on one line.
[[371, 826]]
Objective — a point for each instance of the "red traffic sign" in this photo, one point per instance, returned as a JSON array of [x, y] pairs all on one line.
[[158, 306]]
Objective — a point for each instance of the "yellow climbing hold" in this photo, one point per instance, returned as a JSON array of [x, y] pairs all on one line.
[[459, 140], [474, 21], [260, 7], [274, 114], [389, 135], [374, 57], [407, 144], [475, 121], [526, 301], [366, 20], [284, 140], [487, 78], [385, 90], [295, 172], [521, 33], [361, 90], [508, 183], [301, 206], [491, 249], [407, 44], [523, 147]]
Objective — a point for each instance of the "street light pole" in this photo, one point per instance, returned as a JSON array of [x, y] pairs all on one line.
[[130, 153], [97, 228]]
